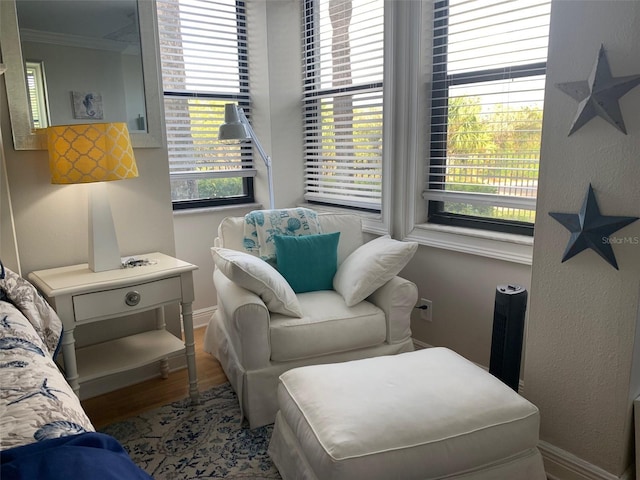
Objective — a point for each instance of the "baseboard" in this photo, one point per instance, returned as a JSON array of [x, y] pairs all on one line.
[[419, 345], [202, 316], [562, 465]]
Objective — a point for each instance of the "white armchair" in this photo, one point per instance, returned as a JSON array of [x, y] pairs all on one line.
[[256, 345]]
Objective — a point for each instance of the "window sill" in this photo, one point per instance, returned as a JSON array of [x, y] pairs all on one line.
[[222, 208], [501, 246]]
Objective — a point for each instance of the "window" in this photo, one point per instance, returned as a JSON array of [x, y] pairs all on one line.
[[489, 64], [203, 49], [37, 90], [342, 102]]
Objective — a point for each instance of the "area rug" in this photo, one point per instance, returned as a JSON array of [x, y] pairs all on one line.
[[181, 441]]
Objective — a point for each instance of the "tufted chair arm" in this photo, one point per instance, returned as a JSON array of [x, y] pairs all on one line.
[[246, 317], [396, 298]]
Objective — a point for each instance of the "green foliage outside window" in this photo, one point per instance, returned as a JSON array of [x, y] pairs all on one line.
[[487, 152], [197, 149], [206, 188]]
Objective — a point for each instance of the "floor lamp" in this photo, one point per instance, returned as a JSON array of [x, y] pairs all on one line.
[[236, 127], [88, 153]]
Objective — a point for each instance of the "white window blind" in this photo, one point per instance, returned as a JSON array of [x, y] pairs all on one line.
[[342, 102], [489, 64], [203, 49]]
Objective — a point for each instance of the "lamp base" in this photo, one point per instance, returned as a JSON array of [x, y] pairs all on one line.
[[104, 253]]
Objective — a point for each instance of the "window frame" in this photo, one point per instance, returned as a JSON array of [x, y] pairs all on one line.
[[40, 92], [243, 100], [311, 74], [441, 81]]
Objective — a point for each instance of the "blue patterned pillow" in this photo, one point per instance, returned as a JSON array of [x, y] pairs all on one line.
[[308, 262]]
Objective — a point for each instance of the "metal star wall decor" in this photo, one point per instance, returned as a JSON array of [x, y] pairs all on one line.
[[599, 94], [590, 229]]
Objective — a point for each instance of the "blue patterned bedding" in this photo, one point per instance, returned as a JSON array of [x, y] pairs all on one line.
[[36, 402]]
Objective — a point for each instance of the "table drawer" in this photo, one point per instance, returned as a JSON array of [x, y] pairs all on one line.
[[121, 301]]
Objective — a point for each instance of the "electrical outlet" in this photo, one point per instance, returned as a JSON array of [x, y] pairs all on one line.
[[426, 310]]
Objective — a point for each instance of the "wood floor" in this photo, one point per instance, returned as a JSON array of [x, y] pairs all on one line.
[[120, 404]]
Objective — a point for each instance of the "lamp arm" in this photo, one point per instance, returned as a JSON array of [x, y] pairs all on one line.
[[266, 158], [252, 133]]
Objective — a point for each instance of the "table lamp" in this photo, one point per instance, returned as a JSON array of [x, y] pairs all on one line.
[[236, 127], [87, 153]]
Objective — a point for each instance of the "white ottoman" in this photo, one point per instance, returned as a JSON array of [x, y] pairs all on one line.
[[427, 414]]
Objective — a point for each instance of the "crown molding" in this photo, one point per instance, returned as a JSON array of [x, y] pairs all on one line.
[[67, 40]]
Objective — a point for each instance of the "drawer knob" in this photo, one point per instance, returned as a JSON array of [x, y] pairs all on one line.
[[132, 298]]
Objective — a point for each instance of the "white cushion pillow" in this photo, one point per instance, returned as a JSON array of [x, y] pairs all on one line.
[[259, 277], [370, 266]]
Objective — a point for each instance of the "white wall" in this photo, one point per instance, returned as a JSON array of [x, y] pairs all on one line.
[[70, 69], [276, 89], [194, 235], [462, 288], [583, 314], [8, 248]]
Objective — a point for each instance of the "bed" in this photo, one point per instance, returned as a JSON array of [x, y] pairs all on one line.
[[44, 432], [36, 402]]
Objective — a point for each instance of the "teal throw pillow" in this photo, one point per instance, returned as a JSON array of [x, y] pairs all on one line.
[[308, 262]]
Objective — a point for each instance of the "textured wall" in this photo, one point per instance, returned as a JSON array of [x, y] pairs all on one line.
[[583, 313]]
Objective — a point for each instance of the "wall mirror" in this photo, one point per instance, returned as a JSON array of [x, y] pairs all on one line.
[[78, 61]]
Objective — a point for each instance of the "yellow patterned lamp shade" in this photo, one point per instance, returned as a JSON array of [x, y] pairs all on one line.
[[96, 152]]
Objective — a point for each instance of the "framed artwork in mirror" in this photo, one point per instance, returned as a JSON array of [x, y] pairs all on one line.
[[87, 105]]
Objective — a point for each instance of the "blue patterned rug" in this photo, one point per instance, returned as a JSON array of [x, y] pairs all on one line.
[[181, 441]]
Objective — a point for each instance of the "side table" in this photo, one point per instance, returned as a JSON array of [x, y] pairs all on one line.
[[81, 296]]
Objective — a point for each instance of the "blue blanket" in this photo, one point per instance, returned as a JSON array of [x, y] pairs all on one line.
[[88, 456]]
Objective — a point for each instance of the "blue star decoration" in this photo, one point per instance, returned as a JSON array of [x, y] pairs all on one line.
[[600, 94], [590, 229]]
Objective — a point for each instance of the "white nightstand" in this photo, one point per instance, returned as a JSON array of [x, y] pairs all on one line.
[[81, 296]]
